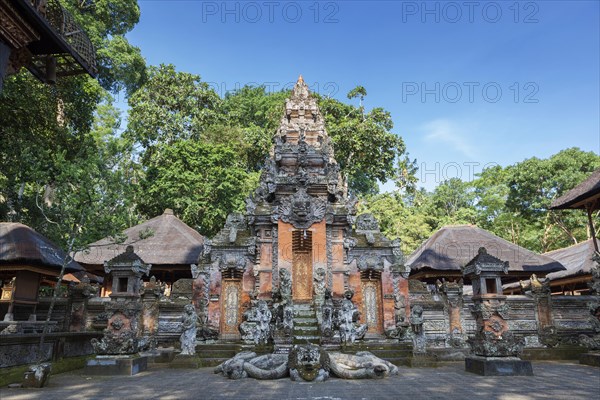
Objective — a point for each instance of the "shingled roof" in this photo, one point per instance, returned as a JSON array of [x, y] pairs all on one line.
[[452, 247], [20, 244], [577, 260], [171, 242], [586, 192]]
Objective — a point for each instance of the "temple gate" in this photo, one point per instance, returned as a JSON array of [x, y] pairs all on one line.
[[299, 258]]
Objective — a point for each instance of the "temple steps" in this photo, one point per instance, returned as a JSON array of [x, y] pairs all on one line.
[[213, 354], [306, 326]]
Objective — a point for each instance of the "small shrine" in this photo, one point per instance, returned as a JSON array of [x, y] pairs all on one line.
[[300, 264], [496, 350], [123, 337]]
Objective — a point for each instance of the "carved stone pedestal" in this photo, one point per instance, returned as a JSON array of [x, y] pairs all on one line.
[[116, 365], [592, 359], [498, 366]]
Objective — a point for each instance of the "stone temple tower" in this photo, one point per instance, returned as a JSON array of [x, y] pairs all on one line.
[[300, 238]]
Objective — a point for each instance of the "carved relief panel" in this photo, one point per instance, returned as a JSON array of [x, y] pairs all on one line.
[[230, 307], [372, 305]]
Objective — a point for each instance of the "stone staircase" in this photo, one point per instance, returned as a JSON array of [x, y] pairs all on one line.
[[213, 354], [306, 326]]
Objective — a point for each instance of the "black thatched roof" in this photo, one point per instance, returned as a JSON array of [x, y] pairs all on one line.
[[19, 244], [577, 260], [452, 247], [585, 193], [171, 242]]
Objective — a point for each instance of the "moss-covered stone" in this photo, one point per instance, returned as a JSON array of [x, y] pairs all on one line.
[[15, 374]]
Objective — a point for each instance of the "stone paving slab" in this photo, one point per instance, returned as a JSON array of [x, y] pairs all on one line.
[[551, 380]]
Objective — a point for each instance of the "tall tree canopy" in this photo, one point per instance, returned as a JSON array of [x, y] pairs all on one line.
[[61, 158], [511, 201], [173, 110]]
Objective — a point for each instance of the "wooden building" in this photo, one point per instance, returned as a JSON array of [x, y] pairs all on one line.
[[165, 242], [43, 37], [577, 260], [27, 260], [450, 248]]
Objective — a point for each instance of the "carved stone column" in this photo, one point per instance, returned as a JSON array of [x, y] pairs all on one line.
[[495, 347], [79, 295], [452, 294]]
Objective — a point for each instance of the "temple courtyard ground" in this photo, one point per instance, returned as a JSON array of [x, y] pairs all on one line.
[[552, 380]]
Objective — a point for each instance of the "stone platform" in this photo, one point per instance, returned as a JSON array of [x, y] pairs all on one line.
[[116, 365], [592, 359], [498, 366]]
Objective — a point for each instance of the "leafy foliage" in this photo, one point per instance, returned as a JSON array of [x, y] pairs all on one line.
[[512, 202]]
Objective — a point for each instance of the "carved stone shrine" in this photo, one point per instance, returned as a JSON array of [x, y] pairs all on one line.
[[299, 265], [496, 350], [123, 337]]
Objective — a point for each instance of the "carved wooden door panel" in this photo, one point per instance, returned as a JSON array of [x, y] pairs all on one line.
[[230, 307], [302, 278], [372, 306]]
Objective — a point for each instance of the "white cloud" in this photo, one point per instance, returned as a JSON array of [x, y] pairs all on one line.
[[447, 132]]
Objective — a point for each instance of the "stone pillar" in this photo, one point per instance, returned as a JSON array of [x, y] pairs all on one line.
[[495, 347], [452, 295], [150, 310], [79, 295]]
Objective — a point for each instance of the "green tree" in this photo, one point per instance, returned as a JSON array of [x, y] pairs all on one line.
[[400, 219], [201, 182], [120, 65], [171, 106], [366, 149]]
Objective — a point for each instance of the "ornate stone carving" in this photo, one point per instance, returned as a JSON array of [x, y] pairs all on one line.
[[285, 285], [123, 332], [367, 222], [308, 363], [235, 222], [188, 330], [362, 365], [370, 261], [301, 209], [401, 330], [327, 315], [319, 286], [232, 261], [350, 329], [416, 323], [256, 327]]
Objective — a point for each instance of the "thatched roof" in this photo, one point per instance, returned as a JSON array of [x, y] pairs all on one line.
[[577, 260], [19, 244], [171, 242], [585, 193], [452, 247]]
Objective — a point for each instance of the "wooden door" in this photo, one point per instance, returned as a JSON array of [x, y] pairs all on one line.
[[302, 278], [231, 291], [372, 306]]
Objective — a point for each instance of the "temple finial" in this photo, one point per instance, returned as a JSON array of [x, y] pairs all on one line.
[[300, 79]]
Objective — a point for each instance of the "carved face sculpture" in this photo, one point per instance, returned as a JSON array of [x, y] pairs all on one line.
[[301, 209], [235, 220], [307, 360], [367, 222]]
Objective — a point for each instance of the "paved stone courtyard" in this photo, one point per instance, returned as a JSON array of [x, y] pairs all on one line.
[[552, 380]]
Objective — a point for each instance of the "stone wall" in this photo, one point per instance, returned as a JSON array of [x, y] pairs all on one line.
[[558, 321], [24, 349]]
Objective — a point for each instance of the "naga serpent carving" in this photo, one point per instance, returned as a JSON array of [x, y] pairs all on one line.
[[306, 363]]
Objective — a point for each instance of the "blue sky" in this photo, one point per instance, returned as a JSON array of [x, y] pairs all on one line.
[[468, 84]]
